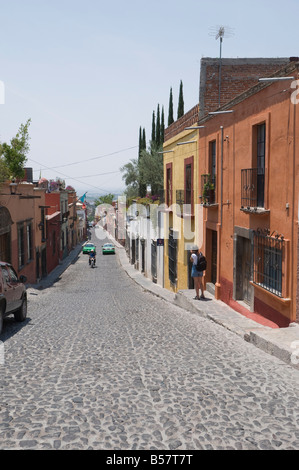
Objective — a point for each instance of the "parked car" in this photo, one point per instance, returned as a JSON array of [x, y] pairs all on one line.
[[13, 296], [87, 248], [108, 248]]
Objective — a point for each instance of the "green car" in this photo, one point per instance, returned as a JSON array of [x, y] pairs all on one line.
[[87, 248], [108, 248]]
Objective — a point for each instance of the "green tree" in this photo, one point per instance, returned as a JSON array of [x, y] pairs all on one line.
[[4, 173], [162, 129], [158, 127], [131, 177], [142, 146], [106, 199], [14, 154], [170, 109], [153, 128], [181, 102], [152, 168]]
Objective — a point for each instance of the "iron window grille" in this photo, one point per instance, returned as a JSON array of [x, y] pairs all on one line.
[[154, 260], [172, 256], [268, 257], [252, 187]]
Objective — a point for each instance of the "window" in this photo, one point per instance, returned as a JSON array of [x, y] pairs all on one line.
[[29, 241], [260, 162], [212, 159], [5, 274], [172, 256], [43, 224], [21, 245], [188, 186], [268, 256], [12, 273], [169, 184]]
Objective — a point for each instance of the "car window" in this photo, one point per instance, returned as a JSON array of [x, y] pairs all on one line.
[[13, 276], [5, 274]]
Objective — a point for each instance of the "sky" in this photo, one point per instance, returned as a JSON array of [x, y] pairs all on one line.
[[90, 74]]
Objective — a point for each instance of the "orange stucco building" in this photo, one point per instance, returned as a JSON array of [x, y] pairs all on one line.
[[248, 222], [38, 228], [22, 242]]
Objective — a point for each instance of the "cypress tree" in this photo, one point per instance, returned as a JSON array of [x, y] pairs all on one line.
[[153, 128], [140, 142], [142, 146], [158, 127], [162, 126], [181, 102], [170, 109]]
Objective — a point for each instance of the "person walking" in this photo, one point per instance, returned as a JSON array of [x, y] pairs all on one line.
[[196, 275]]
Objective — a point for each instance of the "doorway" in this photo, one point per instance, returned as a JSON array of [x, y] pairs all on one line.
[[214, 257], [243, 290]]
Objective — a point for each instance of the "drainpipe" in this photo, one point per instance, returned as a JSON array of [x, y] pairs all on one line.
[[221, 182], [217, 285]]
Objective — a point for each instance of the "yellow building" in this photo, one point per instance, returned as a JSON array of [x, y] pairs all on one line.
[[180, 152]]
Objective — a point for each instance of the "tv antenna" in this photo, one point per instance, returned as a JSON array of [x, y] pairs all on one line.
[[219, 32]]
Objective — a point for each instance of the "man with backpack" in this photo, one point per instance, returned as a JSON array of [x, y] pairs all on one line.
[[199, 264]]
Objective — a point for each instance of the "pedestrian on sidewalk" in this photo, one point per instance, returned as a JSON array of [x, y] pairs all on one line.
[[195, 274]]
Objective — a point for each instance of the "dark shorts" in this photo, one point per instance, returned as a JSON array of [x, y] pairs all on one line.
[[195, 273]]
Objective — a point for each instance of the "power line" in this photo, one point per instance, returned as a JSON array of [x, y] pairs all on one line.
[[71, 178], [90, 159]]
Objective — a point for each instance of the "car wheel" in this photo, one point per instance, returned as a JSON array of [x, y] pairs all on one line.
[[21, 314]]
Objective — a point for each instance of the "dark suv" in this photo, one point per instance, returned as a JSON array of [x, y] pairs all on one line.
[[13, 296]]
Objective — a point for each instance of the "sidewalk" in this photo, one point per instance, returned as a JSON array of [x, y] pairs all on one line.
[[282, 343], [53, 276]]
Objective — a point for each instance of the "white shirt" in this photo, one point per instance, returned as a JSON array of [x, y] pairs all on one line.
[[194, 257]]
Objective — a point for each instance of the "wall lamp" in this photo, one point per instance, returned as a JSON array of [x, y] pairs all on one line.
[[13, 189]]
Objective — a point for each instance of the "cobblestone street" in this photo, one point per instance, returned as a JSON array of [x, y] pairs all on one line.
[[102, 364]]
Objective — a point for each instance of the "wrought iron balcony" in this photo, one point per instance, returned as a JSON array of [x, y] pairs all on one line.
[[208, 194], [252, 188]]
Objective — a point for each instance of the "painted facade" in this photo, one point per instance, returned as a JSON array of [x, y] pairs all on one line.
[[247, 224], [21, 237], [35, 235]]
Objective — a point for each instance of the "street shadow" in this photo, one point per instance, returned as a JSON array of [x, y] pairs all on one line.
[[11, 327]]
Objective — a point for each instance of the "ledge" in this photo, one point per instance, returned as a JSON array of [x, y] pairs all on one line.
[[283, 300], [210, 206], [255, 210]]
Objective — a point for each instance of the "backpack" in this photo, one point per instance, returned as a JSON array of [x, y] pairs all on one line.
[[201, 264]]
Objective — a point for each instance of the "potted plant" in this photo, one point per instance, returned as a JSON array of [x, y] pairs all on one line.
[[208, 194]]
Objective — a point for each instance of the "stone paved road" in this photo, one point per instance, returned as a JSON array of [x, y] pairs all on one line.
[[101, 364]]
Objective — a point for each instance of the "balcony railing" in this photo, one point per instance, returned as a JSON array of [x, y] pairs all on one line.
[[184, 198], [208, 194], [252, 188]]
